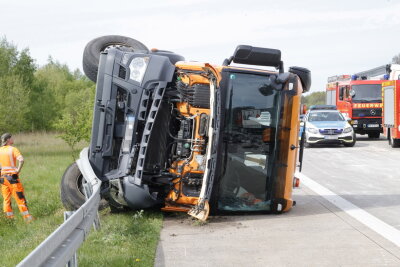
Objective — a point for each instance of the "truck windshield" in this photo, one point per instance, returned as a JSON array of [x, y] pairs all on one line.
[[367, 93], [252, 116], [325, 116]]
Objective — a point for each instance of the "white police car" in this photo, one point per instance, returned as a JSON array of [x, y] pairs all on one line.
[[327, 126]]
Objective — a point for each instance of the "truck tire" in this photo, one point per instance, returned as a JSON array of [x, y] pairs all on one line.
[[91, 54], [394, 142], [173, 57], [71, 189]]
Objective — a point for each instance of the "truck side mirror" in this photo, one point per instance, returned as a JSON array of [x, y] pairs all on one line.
[[245, 54], [304, 75]]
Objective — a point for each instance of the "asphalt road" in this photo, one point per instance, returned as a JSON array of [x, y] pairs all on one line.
[[367, 175], [354, 221]]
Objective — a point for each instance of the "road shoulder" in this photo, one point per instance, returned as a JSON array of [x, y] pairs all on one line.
[[314, 233]]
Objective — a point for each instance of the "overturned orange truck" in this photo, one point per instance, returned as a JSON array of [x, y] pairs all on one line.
[[189, 136]]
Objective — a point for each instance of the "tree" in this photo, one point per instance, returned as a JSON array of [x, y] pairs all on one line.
[[43, 109], [16, 78], [8, 56], [48, 98], [14, 104], [53, 84], [76, 121], [25, 68], [315, 98]]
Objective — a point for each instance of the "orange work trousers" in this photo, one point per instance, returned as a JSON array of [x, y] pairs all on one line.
[[12, 186]]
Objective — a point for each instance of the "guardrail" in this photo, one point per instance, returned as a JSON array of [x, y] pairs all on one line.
[[60, 247]]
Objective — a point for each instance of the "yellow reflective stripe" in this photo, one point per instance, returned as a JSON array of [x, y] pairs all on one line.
[[10, 154]]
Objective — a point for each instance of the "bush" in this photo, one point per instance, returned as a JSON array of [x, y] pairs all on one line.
[[315, 98], [76, 120]]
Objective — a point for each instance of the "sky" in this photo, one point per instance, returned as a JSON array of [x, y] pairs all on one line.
[[327, 37]]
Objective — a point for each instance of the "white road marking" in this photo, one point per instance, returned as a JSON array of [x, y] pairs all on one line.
[[375, 224]]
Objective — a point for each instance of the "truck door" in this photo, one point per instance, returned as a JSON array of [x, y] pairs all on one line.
[[331, 97]]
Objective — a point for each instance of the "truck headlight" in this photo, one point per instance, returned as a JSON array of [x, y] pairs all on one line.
[[137, 68], [312, 130], [347, 130]]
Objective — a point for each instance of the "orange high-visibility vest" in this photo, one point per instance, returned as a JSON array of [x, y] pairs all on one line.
[[8, 159]]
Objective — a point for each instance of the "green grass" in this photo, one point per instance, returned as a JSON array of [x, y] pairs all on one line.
[[125, 239]]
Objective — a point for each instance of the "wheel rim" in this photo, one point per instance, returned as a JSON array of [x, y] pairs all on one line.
[[79, 184], [115, 45]]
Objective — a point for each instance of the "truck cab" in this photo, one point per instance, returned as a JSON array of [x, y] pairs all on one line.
[[359, 99]]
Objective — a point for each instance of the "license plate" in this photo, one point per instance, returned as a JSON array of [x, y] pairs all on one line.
[[373, 125], [331, 137]]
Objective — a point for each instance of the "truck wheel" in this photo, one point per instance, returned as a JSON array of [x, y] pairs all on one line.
[[72, 196], [71, 189], [91, 54], [374, 135], [394, 142]]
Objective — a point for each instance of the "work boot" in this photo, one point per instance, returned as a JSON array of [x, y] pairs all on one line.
[[28, 219], [9, 215]]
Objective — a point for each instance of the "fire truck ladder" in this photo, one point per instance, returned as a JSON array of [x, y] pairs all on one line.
[[374, 73]]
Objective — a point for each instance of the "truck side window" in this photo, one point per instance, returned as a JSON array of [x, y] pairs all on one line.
[[341, 93]]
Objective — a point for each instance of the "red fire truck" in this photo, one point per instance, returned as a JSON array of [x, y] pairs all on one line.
[[391, 106], [358, 97]]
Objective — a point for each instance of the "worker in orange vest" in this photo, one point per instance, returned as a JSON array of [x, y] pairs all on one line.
[[9, 179]]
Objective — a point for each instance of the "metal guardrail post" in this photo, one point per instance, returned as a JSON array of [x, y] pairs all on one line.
[[60, 247], [73, 262], [88, 192]]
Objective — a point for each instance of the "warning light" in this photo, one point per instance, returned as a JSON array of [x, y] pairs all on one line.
[[296, 182]]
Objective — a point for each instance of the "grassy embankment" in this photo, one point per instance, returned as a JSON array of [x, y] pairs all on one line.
[[126, 239]]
